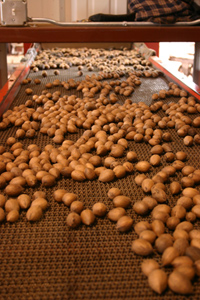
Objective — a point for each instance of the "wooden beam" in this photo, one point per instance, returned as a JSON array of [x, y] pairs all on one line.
[[82, 34]]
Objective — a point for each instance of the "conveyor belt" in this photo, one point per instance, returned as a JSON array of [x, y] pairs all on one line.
[[47, 260]]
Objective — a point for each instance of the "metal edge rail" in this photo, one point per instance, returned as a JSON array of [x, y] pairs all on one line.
[[110, 24]]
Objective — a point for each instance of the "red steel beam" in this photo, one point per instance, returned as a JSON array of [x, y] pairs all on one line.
[[100, 34], [11, 88]]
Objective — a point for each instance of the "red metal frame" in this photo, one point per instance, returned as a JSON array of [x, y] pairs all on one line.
[[11, 88], [154, 46], [27, 46], [83, 34]]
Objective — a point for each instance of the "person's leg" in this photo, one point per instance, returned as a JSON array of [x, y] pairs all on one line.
[[112, 18]]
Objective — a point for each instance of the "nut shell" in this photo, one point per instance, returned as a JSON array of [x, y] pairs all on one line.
[[87, 217], [157, 280], [148, 265], [143, 166], [99, 209], [179, 283], [122, 201], [124, 224], [142, 247], [68, 198], [34, 213], [73, 220], [113, 192], [13, 190], [116, 213], [12, 216], [107, 175]]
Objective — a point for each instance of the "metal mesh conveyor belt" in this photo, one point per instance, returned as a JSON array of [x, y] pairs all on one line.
[[47, 261]]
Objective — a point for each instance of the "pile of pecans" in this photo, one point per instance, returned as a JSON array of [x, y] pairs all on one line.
[[102, 153]]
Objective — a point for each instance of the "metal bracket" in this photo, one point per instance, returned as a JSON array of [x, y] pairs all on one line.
[[13, 12]]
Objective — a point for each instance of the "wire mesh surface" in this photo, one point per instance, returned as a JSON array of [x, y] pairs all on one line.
[[47, 260]]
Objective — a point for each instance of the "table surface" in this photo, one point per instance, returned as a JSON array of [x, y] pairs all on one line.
[[84, 33]]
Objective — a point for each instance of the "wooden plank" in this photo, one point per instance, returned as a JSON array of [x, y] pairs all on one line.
[[99, 34]]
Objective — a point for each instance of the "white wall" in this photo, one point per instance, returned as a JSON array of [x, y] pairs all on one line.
[[73, 10], [82, 9], [44, 9], [98, 7], [118, 7]]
